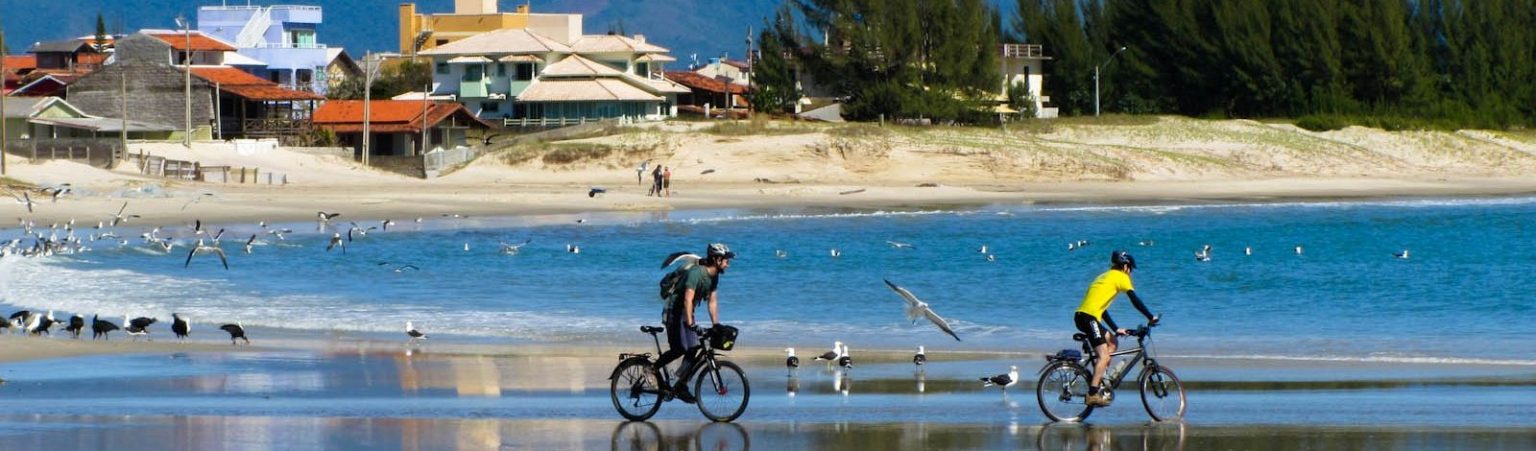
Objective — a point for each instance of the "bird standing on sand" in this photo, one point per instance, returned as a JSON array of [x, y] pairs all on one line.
[[920, 358], [236, 331], [844, 359], [1003, 380], [44, 325], [180, 326], [916, 308], [831, 356], [138, 327], [791, 361], [410, 331], [100, 328], [76, 325]]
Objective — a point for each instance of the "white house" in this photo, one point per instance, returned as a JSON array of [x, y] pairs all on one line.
[[1024, 63]]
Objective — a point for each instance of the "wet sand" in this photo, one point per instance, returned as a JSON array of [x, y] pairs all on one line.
[[374, 393]]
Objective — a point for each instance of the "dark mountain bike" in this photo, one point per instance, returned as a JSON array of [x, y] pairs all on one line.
[[639, 386], [1063, 387]]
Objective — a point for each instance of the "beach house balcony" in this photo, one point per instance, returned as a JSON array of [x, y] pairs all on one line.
[[281, 36]]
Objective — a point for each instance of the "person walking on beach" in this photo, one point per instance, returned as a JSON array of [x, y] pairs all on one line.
[[640, 172], [656, 181], [666, 180], [699, 284], [1092, 316]]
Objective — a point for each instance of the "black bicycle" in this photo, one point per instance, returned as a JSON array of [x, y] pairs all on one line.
[[1063, 387], [721, 390]]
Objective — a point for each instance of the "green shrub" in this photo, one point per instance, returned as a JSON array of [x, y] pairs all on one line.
[[571, 153], [1321, 123]]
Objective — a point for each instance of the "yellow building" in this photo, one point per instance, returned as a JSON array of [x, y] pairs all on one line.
[[471, 17]]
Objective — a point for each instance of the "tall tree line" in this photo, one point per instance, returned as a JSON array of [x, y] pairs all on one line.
[[934, 59], [1469, 62]]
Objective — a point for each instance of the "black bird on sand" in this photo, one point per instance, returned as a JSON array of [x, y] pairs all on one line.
[[44, 324], [920, 358], [76, 324], [235, 333], [180, 326], [100, 328], [19, 319], [791, 361], [1003, 380], [411, 331]]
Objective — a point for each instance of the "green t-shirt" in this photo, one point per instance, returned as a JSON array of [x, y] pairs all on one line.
[[697, 279]]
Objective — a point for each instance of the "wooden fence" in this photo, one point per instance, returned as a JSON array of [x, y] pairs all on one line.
[[154, 166], [101, 153]]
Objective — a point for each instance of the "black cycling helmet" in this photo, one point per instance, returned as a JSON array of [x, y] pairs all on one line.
[[719, 250], [1121, 257]]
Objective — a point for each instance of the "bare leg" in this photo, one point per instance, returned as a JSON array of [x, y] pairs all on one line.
[[1102, 365]]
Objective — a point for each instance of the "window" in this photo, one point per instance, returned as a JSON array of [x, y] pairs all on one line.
[[490, 107], [472, 73], [442, 42], [442, 68], [501, 69], [525, 71]]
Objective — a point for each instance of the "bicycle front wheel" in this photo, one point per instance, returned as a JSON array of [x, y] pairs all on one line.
[[1063, 392], [636, 390], [722, 392], [1162, 394]]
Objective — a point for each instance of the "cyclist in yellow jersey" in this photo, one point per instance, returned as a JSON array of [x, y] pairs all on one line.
[[1092, 316]]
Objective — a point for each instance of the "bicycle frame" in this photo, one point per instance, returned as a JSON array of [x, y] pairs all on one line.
[[706, 358], [1091, 357]]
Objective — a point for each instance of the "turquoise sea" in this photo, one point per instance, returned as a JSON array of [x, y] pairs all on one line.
[[1466, 285]]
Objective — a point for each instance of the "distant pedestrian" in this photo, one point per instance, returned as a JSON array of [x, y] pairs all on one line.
[[640, 172], [666, 180], [656, 181]]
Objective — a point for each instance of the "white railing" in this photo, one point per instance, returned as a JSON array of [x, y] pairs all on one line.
[[566, 121], [285, 45], [255, 29]]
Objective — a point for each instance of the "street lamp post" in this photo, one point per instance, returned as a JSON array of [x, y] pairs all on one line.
[[186, 27], [1096, 80]]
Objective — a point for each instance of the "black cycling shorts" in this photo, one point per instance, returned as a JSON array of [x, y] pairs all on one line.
[[1091, 327]]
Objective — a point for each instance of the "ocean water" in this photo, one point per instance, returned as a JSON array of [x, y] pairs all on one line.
[[1463, 296]]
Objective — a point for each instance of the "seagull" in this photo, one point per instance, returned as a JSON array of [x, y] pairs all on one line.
[[1247, 250], [61, 190], [830, 356], [140, 322], [209, 249], [31, 324], [899, 245], [991, 258], [411, 331], [180, 327], [76, 324], [844, 359], [1145, 243], [335, 242], [1071, 247], [20, 318], [279, 233], [572, 249], [982, 249], [402, 268], [386, 223], [835, 253], [920, 358], [250, 242], [100, 328], [1402, 255], [24, 199], [791, 361], [596, 190], [508, 248], [44, 325], [195, 200], [137, 332], [688, 259], [119, 218], [361, 232], [466, 246], [325, 218], [1298, 249], [1003, 380], [916, 308], [780, 253], [236, 331]]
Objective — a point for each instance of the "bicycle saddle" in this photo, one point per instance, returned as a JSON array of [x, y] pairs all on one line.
[[651, 329], [1079, 336]]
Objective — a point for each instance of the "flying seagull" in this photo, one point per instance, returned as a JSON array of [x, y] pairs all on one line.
[[119, 218], [899, 245], [688, 258], [201, 248], [916, 308], [509, 248], [336, 242], [24, 199]]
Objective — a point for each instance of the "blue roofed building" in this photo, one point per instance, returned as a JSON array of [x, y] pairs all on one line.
[[282, 36]]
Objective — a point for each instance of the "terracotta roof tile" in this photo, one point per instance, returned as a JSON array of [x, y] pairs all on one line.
[[243, 84], [19, 62], [386, 116], [200, 42], [696, 80]]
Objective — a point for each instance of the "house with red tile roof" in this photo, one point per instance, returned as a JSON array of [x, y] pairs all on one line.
[[395, 126], [147, 77], [708, 94]]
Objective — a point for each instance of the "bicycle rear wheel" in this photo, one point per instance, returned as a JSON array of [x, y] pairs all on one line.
[[636, 390], [1063, 392], [1162, 393], [722, 393]]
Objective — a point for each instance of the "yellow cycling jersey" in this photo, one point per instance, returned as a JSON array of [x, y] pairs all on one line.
[[1102, 292]]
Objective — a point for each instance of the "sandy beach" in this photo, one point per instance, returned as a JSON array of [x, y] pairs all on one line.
[[300, 389]]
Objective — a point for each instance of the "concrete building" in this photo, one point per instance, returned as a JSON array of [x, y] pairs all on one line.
[[1024, 64], [283, 37], [472, 17]]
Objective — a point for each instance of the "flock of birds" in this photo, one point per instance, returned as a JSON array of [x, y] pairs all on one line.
[[67, 238]]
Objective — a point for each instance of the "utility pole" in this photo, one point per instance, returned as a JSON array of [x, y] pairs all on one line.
[[367, 101], [2, 101], [122, 96], [1096, 79], [186, 27], [425, 93]]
